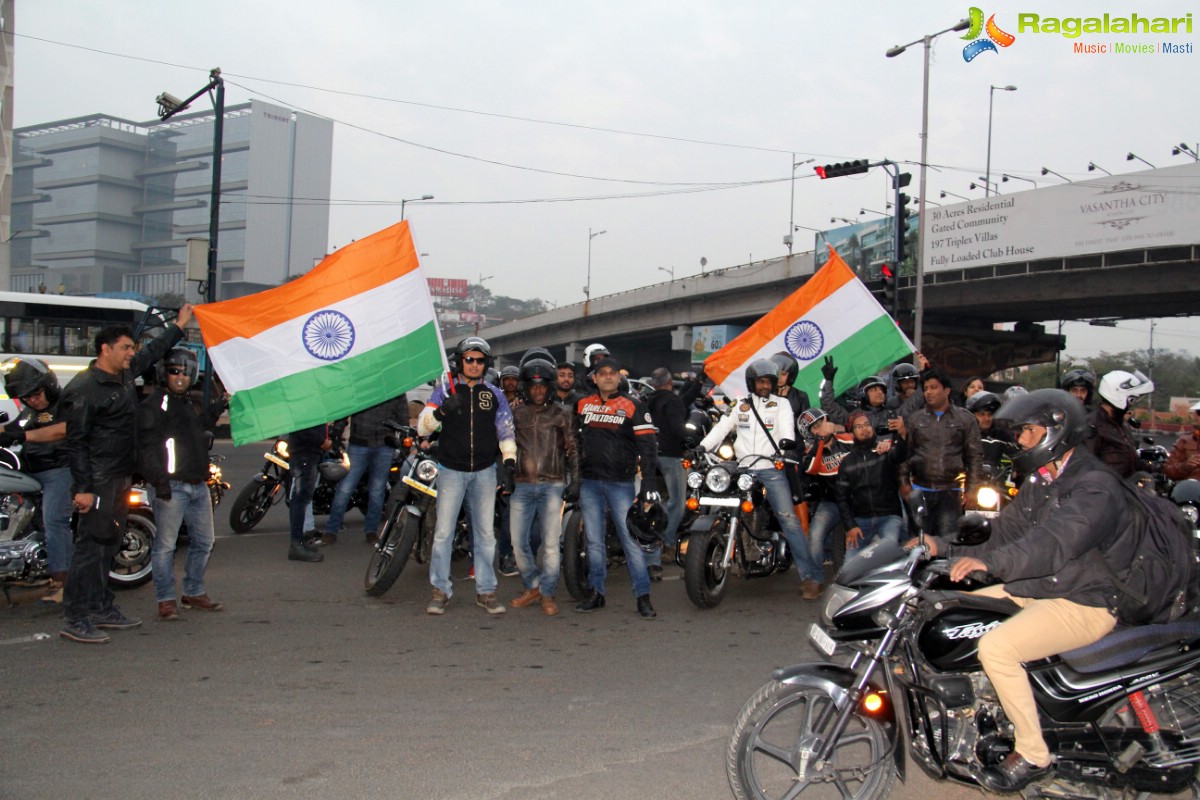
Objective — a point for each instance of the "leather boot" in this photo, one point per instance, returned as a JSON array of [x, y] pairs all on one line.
[[590, 603], [299, 551], [644, 607]]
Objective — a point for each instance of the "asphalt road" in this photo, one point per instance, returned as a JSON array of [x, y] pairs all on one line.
[[305, 687]]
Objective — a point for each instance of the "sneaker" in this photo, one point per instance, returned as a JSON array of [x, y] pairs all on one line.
[[115, 620], [84, 632], [168, 611], [437, 603], [549, 607], [508, 567], [329, 538], [526, 598], [202, 602], [300, 551], [489, 603]]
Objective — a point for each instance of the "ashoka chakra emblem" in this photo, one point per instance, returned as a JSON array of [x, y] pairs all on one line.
[[804, 340], [328, 335]]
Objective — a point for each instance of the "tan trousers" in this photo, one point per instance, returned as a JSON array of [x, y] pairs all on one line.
[[1042, 628]]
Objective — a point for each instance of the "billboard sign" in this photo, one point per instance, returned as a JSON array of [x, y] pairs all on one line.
[[448, 287], [708, 339]]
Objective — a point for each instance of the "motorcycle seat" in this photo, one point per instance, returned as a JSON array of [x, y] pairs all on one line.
[[1127, 645]]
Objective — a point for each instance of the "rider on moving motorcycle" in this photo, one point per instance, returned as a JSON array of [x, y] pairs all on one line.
[[1042, 546]]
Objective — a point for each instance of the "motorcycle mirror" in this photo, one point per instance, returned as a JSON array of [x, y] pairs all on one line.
[[3, 417], [1145, 439], [916, 505], [209, 439], [787, 444]]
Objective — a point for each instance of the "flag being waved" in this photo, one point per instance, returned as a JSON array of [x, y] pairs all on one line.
[[832, 314], [357, 330]]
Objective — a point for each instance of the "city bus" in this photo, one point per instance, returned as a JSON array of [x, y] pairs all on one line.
[[61, 329]]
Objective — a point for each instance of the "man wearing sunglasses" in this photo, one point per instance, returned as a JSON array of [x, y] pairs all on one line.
[[475, 426], [173, 436], [101, 405]]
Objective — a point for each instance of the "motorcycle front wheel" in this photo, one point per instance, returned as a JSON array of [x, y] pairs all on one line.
[[391, 552], [252, 504], [703, 576], [131, 565], [575, 556], [770, 752]]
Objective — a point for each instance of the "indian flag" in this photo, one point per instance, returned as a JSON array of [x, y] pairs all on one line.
[[360, 328], [832, 314]]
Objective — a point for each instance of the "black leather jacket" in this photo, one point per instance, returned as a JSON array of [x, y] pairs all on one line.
[[100, 409], [942, 448], [1042, 542], [868, 483], [172, 445]]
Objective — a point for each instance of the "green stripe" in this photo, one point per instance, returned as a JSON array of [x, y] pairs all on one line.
[[876, 345], [333, 391]]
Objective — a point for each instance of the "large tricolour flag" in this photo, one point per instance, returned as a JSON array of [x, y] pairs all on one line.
[[832, 314], [358, 329]]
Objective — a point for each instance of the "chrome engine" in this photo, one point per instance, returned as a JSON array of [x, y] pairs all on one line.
[[23, 559]]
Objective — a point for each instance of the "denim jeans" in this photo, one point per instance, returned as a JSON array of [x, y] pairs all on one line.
[[98, 538], [375, 462], [675, 478], [779, 495], [886, 527], [304, 483], [596, 498], [478, 491], [942, 510], [543, 501], [190, 503], [57, 507]]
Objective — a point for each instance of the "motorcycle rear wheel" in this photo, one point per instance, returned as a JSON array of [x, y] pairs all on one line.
[[252, 504], [391, 553], [703, 576], [575, 556], [778, 724], [131, 565]]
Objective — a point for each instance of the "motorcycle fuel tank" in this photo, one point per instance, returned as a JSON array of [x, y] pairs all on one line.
[[20, 482], [950, 639]]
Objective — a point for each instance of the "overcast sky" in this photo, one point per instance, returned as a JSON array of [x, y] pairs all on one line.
[[689, 94]]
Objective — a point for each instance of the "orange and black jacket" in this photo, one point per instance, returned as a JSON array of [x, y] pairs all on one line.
[[614, 434]]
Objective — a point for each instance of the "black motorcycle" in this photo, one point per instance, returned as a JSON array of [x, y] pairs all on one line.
[[902, 674], [575, 562], [736, 533]]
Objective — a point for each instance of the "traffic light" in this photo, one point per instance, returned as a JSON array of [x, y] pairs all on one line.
[[889, 288], [844, 168], [902, 214]]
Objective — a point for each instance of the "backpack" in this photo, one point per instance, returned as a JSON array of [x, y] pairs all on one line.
[[1162, 583]]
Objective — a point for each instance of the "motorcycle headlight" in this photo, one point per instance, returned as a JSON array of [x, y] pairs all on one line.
[[717, 480], [138, 497], [987, 498], [835, 597], [281, 448], [427, 470], [214, 472], [725, 452], [694, 479], [745, 482]]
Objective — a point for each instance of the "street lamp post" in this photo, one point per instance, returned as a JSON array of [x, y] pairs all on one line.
[[1048, 171], [669, 270], [952, 194], [412, 200], [1005, 178], [927, 41], [988, 186], [587, 289], [792, 213], [991, 94], [1093, 166], [1132, 156]]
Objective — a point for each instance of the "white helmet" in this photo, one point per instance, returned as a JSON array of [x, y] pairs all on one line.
[[1118, 386], [590, 351]]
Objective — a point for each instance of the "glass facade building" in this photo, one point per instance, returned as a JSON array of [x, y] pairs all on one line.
[[102, 204]]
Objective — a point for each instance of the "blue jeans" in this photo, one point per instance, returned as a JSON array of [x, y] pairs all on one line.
[[478, 491], [596, 498], [544, 501], [190, 503], [886, 527], [779, 495], [675, 478], [304, 483], [58, 503], [375, 462]]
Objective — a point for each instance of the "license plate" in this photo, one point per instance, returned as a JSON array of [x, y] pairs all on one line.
[[732, 502], [420, 487], [821, 639], [988, 514]]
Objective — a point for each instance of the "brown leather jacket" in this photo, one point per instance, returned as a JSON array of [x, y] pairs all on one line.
[[1186, 447], [547, 448]]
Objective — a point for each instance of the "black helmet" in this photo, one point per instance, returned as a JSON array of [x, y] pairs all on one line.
[[539, 370], [867, 383], [510, 372], [762, 368], [535, 352], [333, 468], [23, 376], [904, 371], [646, 525], [467, 345], [1063, 417], [1079, 376], [786, 365], [983, 401], [178, 357]]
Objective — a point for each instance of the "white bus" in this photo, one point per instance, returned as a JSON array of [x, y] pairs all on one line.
[[61, 329]]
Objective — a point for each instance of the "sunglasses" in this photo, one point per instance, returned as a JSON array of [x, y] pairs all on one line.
[[474, 359], [176, 371]]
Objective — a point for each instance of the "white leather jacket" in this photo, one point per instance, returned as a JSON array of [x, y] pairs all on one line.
[[776, 414]]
